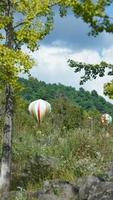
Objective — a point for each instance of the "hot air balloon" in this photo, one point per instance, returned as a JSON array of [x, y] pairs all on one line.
[[106, 119], [39, 108]]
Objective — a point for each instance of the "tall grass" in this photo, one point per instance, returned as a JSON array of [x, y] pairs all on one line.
[[73, 152]]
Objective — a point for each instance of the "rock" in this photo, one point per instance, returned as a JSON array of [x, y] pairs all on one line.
[[109, 172], [86, 186], [58, 190], [102, 191], [95, 188], [49, 197]]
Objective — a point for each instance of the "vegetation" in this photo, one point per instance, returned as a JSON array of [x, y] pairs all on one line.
[[74, 143], [92, 71], [69, 143], [34, 89], [66, 145], [33, 24]]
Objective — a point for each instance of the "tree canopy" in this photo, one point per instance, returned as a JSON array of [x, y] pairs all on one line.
[[92, 71], [24, 22]]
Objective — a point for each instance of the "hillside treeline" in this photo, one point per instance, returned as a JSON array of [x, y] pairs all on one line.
[[34, 89]]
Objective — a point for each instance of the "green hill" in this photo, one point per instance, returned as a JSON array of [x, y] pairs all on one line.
[[34, 89]]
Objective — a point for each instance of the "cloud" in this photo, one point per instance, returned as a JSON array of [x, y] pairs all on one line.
[[73, 33], [51, 66], [69, 39], [107, 54], [87, 56]]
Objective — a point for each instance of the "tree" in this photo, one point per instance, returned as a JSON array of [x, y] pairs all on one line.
[[25, 22], [27, 29], [92, 71]]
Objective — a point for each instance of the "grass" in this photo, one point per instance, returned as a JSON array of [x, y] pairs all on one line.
[[75, 152]]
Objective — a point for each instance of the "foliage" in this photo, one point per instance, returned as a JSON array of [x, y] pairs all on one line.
[[92, 71], [67, 138], [12, 64], [93, 13], [20, 24], [77, 151], [62, 107], [108, 89], [34, 89], [26, 23]]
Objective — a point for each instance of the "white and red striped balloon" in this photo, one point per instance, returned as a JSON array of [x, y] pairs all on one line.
[[39, 108], [106, 119]]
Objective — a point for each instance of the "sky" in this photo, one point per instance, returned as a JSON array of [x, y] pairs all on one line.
[[69, 40]]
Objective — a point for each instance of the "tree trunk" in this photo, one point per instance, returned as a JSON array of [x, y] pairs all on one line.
[[6, 151], [7, 136]]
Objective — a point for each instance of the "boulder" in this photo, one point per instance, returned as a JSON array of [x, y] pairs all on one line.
[[95, 188], [57, 190], [109, 172], [102, 191]]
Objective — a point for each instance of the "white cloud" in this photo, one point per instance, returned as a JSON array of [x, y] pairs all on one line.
[[87, 56], [51, 65], [107, 55]]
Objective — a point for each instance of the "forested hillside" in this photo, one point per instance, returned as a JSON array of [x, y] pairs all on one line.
[[34, 89]]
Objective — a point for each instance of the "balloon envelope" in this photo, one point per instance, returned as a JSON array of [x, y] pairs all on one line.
[[106, 119], [39, 108]]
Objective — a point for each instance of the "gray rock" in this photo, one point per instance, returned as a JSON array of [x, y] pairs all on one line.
[[58, 190], [109, 172], [86, 186], [49, 197], [102, 191], [94, 188]]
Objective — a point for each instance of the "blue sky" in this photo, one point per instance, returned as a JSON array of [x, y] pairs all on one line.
[[69, 39]]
